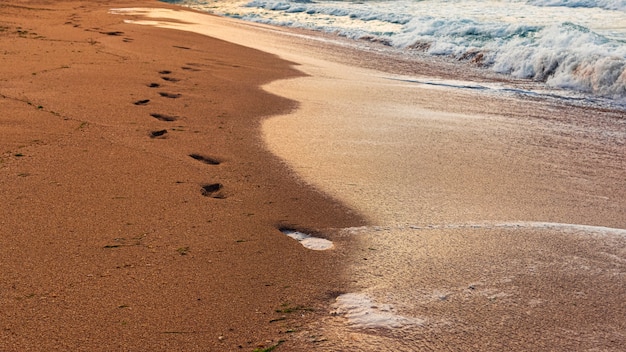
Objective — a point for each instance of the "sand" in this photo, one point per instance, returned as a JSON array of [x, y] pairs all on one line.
[[461, 224], [108, 241]]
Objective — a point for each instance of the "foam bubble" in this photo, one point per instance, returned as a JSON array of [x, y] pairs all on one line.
[[308, 241], [363, 313], [577, 228], [603, 4]]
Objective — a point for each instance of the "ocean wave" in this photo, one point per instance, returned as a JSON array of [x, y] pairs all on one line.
[[563, 55], [364, 13], [521, 42], [618, 5]]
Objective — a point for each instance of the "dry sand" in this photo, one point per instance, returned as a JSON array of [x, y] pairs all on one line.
[[472, 201], [106, 239]]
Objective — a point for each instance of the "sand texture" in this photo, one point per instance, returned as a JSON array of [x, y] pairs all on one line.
[[108, 240]]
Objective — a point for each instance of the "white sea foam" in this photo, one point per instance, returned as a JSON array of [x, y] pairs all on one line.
[[554, 226], [308, 241], [363, 313], [563, 55], [366, 12], [603, 4]]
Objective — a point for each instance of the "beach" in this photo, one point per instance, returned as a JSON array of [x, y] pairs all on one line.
[[152, 156]]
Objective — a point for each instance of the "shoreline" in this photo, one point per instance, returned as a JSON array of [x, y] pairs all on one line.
[[474, 202]]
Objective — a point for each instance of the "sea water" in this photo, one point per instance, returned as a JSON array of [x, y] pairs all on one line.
[[575, 45]]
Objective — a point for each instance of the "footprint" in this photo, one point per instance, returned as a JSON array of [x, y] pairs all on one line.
[[170, 79], [181, 47], [157, 134], [169, 95], [113, 33], [163, 117], [213, 190], [142, 102], [154, 85], [127, 40], [165, 72], [190, 69], [205, 159]]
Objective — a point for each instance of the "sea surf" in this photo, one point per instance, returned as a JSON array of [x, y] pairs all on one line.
[[577, 48]]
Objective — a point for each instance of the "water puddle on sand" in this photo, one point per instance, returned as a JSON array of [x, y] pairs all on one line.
[[463, 285], [308, 241], [363, 313]]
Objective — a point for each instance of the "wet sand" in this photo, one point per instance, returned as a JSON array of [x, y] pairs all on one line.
[[471, 204], [479, 206]]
